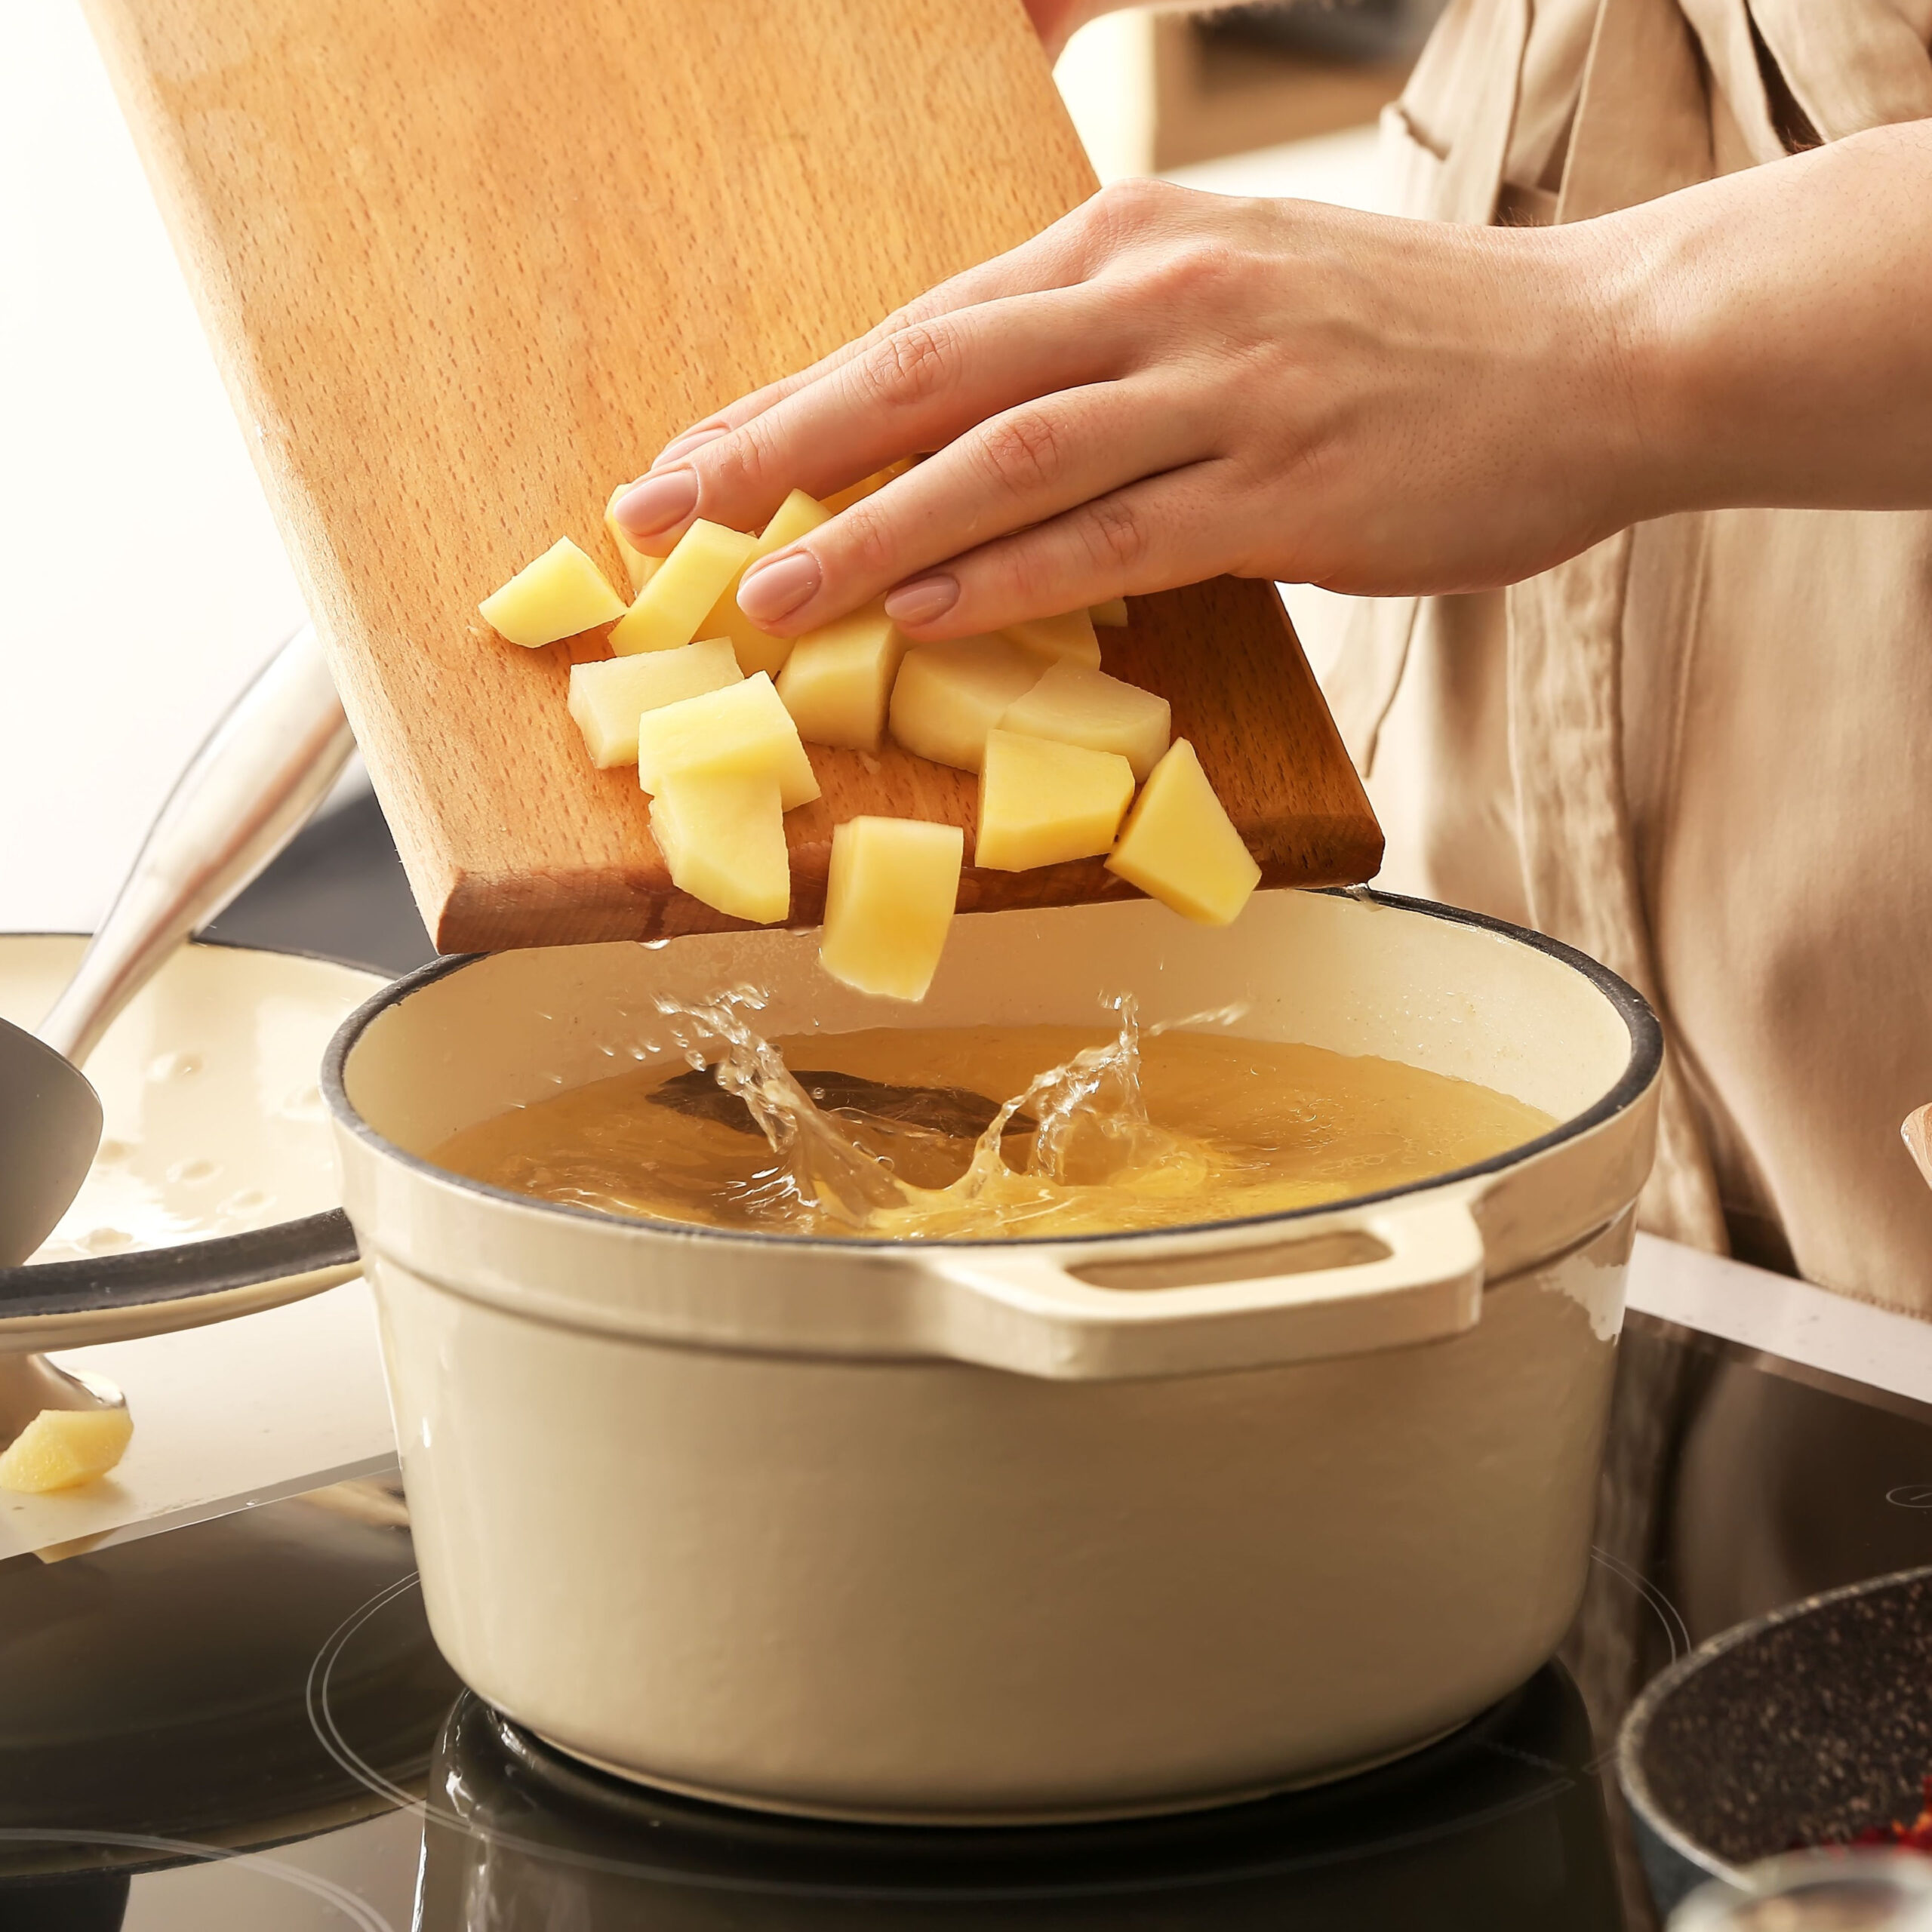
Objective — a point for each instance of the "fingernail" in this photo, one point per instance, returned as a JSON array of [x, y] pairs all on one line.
[[922, 600], [683, 445], [775, 587], [657, 502]]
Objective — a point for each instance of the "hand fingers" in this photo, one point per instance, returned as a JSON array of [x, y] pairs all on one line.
[[1058, 256], [917, 390], [1167, 529], [1019, 468]]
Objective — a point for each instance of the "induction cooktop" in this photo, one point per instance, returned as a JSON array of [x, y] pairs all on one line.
[[245, 1724]]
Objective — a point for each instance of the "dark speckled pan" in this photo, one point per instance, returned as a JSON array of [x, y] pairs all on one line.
[[1799, 1729]]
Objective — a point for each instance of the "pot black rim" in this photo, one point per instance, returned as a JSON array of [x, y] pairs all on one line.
[[1635, 1731], [1640, 1071], [190, 1270]]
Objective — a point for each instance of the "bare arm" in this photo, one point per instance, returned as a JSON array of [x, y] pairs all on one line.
[[1167, 385]]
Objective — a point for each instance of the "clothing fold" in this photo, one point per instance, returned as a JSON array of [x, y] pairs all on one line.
[[1659, 691]]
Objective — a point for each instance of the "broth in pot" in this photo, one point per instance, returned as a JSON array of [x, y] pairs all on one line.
[[973, 1132]]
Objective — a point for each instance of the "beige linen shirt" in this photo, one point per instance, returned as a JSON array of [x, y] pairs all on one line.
[[1700, 751]]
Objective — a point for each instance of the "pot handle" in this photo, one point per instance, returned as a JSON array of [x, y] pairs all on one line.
[[1026, 1310]]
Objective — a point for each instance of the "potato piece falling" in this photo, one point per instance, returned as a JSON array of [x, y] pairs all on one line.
[[757, 650], [1112, 613], [889, 896], [608, 697], [63, 1448], [949, 696], [668, 609], [1042, 802], [1180, 847], [638, 568], [722, 834], [742, 730], [1070, 637], [837, 681], [1078, 707], [559, 595]]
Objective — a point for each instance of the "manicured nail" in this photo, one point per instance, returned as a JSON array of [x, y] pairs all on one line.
[[658, 502], [773, 589], [683, 445], [922, 600]]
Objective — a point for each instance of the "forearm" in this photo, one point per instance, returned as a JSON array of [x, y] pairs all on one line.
[[1775, 331]]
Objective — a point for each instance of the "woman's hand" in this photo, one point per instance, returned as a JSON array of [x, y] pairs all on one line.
[[1057, 21], [1165, 386]]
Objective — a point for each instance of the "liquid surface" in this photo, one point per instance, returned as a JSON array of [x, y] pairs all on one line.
[[1098, 1132]]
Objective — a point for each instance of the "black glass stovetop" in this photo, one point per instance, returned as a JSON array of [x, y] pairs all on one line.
[[243, 1724]]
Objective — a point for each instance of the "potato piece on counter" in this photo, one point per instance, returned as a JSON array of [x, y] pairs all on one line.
[[1112, 613], [1070, 637], [722, 834], [1042, 802], [639, 569], [742, 730], [949, 696], [1078, 707], [889, 896], [608, 697], [837, 681], [676, 596], [559, 595], [1180, 847], [63, 1448], [758, 650]]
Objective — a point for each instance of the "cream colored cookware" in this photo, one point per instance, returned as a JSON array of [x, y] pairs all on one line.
[[185, 1215], [214, 1191], [979, 1531]]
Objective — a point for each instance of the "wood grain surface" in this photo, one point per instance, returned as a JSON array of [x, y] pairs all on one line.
[[466, 264]]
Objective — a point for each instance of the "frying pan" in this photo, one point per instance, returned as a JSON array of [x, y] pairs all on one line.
[[254, 782], [1801, 1728]]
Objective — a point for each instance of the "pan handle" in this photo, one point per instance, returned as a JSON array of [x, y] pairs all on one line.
[[1416, 1275], [254, 785]]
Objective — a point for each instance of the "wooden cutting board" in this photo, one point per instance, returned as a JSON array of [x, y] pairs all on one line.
[[467, 264]]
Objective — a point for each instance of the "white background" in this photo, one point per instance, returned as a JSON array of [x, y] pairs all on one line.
[[141, 581]]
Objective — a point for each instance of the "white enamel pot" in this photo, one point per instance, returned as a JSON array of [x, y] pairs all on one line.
[[991, 1531]]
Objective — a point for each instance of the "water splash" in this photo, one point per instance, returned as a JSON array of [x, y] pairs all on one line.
[[1092, 1135], [828, 1169]]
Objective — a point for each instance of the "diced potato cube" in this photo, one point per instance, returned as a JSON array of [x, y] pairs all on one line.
[[1070, 637], [722, 834], [676, 595], [1042, 802], [638, 568], [949, 696], [1078, 706], [743, 728], [758, 650], [608, 697], [561, 593], [838, 678], [1112, 613], [61, 1447], [1180, 847], [889, 896], [867, 486], [796, 516]]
